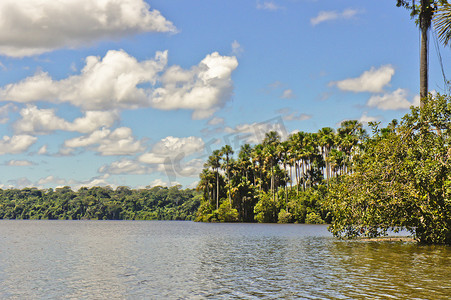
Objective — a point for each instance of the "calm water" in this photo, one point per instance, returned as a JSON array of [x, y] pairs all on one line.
[[185, 260]]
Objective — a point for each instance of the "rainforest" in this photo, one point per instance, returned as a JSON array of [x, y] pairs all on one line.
[[363, 182]]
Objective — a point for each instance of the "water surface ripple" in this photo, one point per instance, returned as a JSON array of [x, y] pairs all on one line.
[[185, 260]]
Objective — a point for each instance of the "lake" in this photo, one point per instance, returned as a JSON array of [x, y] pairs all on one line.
[[187, 260]]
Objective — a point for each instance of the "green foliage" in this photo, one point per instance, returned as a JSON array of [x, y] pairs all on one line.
[[267, 209], [278, 181], [401, 179], [313, 218], [226, 213], [284, 216], [307, 202], [100, 203]]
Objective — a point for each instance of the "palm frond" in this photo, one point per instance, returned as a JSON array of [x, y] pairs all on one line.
[[442, 23]]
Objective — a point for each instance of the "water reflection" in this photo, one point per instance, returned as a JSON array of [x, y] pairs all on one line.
[[183, 260]]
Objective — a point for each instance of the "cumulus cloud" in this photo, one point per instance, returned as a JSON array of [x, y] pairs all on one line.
[[19, 163], [158, 182], [51, 179], [5, 110], [103, 84], [101, 180], [372, 81], [216, 121], [16, 144], [174, 145], [325, 16], [119, 81], [107, 142], [125, 166], [171, 157], [31, 27], [203, 89], [42, 150], [172, 149], [19, 183], [365, 119], [44, 121], [392, 101]]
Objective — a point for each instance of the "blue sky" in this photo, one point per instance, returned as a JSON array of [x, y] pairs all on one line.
[[139, 92]]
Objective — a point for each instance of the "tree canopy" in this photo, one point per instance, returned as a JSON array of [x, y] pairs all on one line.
[[401, 179], [100, 203]]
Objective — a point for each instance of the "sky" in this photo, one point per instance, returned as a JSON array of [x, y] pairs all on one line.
[[140, 92]]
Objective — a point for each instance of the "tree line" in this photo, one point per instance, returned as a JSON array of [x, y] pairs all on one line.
[[397, 177], [100, 203], [278, 181]]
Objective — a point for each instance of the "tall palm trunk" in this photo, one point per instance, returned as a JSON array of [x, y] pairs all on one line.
[[217, 189], [424, 26], [426, 13], [297, 171]]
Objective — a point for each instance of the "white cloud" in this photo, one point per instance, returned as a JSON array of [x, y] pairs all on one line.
[[287, 94], [44, 121], [174, 145], [268, 5], [125, 166], [370, 81], [19, 163], [168, 166], [169, 156], [42, 150], [51, 179], [171, 148], [237, 49], [191, 168], [158, 182], [19, 183], [103, 84], [31, 27], [391, 101], [152, 158], [325, 16], [4, 112], [16, 144], [204, 88], [107, 142], [296, 117], [119, 81], [216, 121], [365, 119], [95, 181]]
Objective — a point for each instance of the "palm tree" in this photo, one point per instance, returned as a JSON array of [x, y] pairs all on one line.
[[297, 143], [244, 157], [327, 141], [442, 21], [226, 153], [270, 143], [257, 160], [205, 184], [425, 12], [349, 135], [283, 151], [214, 162]]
